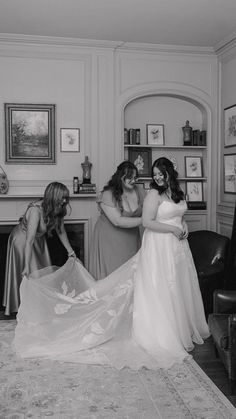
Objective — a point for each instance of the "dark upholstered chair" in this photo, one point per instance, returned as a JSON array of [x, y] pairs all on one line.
[[222, 324], [209, 250]]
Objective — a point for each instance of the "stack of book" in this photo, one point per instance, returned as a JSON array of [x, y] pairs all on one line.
[[87, 188], [196, 205]]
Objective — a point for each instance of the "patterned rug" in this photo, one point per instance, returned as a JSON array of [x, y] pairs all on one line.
[[43, 388]]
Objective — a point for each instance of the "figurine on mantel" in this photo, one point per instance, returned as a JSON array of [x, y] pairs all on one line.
[[27, 249], [187, 134], [87, 187]]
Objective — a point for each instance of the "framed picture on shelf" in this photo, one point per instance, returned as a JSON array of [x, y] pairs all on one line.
[[70, 139], [142, 159], [193, 166], [155, 134], [230, 126], [194, 191], [230, 173], [29, 133]]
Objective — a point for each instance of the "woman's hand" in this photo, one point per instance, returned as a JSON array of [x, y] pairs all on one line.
[[185, 230], [72, 254], [25, 272], [178, 232]]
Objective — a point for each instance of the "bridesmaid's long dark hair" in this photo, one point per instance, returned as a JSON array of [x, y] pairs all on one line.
[[54, 205], [125, 170], [167, 169]]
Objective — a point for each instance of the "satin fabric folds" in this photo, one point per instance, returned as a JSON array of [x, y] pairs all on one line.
[[148, 312]]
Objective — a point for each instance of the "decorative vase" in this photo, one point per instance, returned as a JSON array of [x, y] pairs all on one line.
[[187, 134], [86, 166]]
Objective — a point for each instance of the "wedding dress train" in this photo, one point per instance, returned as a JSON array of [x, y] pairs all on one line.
[[147, 313]]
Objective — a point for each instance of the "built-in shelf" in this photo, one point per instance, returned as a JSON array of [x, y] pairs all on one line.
[[181, 147], [179, 178]]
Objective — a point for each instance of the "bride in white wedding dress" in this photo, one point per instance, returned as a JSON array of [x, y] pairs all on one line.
[[149, 312]]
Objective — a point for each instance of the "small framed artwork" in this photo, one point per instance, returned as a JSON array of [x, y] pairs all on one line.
[[193, 166], [155, 134], [230, 173], [142, 159], [230, 126], [70, 139], [194, 191], [29, 133]]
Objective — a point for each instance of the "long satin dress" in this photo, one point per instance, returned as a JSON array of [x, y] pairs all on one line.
[[112, 246], [15, 260], [149, 312]]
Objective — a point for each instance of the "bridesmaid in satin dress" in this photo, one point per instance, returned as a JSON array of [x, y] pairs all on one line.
[[27, 248], [116, 236]]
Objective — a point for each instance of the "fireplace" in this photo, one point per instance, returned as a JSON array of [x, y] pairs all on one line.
[[78, 236]]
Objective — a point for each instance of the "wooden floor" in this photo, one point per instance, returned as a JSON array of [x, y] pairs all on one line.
[[204, 355]]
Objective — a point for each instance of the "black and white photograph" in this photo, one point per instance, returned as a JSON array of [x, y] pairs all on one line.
[[118, 209]]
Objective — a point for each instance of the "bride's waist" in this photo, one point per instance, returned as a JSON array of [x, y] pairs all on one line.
[[177, 222]]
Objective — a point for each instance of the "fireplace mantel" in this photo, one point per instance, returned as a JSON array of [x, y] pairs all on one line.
[[40, 195], [83, 210]]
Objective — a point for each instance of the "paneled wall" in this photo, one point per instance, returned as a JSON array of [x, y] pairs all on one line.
[[91, 83], [227, 85]]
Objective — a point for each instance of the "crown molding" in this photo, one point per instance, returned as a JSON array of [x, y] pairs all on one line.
[[9, 39], [226, 48]]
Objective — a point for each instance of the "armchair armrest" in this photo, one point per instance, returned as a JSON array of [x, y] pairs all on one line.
[[224, 301]]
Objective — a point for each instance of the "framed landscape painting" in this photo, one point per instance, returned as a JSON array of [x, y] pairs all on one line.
[[29, 133]]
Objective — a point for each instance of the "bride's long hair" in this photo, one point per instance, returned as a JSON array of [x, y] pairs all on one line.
[[171, 177], [54, 205]]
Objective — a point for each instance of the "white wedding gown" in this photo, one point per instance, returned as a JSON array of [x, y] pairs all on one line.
[[146, 313]]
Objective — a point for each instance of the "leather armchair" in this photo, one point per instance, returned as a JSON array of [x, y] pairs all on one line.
[[209, 250], [222, 324]]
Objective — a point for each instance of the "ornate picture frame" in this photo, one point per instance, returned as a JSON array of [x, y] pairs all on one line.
[[29, 133]]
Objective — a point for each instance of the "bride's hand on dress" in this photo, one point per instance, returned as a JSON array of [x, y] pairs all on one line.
[[185, 230], [178, 232]]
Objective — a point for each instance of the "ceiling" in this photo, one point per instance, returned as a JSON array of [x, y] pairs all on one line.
[[204, 23]]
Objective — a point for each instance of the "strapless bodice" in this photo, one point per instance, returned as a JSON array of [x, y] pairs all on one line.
[[171, 213]]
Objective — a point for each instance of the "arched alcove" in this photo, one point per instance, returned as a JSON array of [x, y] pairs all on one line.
[[172, 111]]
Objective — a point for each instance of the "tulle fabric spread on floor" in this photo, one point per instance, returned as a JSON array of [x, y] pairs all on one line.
[[146, 313]]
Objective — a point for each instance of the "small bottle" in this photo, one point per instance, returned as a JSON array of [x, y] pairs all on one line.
[[137, 136], [126, 136], [75, 184]]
